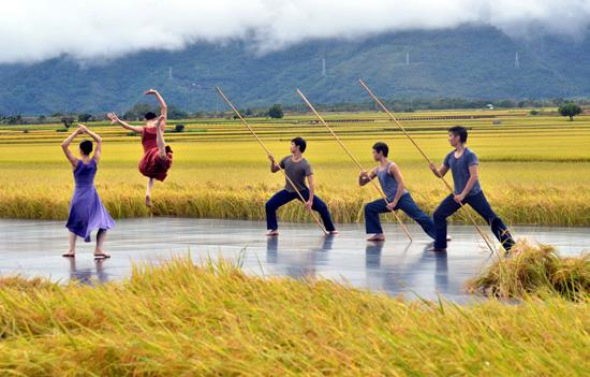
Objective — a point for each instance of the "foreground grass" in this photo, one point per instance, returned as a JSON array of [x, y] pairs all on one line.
[[535, 271], [181, 320], [534, 170]]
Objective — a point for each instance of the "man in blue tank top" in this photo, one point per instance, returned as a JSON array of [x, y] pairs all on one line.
[[463, 164], [392, 184]]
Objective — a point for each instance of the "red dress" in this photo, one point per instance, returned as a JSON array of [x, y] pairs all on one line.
[[151, 164]]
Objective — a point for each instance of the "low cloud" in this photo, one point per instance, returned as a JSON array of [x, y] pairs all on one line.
[[35, 30]]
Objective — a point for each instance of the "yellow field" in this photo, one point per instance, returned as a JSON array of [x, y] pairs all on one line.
[[214, 320], [534, 170]]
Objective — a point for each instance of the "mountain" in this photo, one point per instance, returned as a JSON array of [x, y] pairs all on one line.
[[467, 62]]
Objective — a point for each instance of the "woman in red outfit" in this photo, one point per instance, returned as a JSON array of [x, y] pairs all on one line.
[[157, 156]]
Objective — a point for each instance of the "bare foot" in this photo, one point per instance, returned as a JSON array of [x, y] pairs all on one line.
[[272, 233], [69, 254], [449, 238], [376, 238], [99, 254], [333, 233], [148, 201]]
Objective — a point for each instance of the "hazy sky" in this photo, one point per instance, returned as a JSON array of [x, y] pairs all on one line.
[[33, 30]]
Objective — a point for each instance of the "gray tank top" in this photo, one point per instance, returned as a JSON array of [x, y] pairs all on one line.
[[388, 182]]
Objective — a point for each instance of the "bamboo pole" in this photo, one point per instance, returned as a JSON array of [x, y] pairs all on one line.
[[382, 106], [358, 164], [227, 101]]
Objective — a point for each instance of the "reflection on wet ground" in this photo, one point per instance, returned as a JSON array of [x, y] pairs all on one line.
[[34, 248]]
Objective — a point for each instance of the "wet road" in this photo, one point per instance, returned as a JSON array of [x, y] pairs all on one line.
[[34, 248]]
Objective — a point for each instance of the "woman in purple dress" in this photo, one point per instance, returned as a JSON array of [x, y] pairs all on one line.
[[86, 210]]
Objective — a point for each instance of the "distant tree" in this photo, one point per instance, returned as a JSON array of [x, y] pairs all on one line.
[[41, 118], [179, 128], [85, 117], [570, 109], [534, 112], [68, 120], [15, 119], [248, 112], [276, 111]]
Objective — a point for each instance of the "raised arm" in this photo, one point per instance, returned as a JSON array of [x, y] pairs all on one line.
[[97, 140], [115, 120], [65, 146], [163, 106], [365, 177], [161, 123]]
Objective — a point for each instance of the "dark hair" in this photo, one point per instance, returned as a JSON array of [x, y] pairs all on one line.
[[302, 144], [381, 147], [86, 147], [150, 116], [459, 131]]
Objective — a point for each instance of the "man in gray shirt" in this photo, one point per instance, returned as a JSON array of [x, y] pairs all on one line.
[[463, 164], [298, 170]]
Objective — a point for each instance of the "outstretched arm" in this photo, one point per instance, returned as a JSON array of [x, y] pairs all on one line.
[[115, 120], [274, 167], [163, 106], [97, 139], [365, 177], [65, 146], [440, 172]]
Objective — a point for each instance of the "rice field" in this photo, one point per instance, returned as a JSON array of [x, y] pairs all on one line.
[[534, 169], [213, 320]]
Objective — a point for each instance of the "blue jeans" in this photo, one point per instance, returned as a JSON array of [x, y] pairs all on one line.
[[480, 204], [406, 204], [283, 197]]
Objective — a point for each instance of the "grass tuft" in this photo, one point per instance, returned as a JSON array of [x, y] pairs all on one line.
[[534, 271]]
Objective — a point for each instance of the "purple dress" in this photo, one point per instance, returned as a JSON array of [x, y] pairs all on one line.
[[86, 210]]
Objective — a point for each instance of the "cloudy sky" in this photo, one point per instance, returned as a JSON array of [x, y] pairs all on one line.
[[34, 30]]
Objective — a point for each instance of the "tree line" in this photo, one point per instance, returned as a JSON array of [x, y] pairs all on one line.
[[569, 108]]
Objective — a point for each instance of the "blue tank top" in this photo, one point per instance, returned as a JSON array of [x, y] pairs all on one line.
[[388, 182]]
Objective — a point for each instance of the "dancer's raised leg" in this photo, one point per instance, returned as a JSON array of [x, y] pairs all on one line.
[[148, 192]]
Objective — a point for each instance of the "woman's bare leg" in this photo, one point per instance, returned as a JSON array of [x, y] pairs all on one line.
[[72, 251], [100, 238], [148, 192]]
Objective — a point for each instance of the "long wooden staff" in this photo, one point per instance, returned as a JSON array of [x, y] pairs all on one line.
[[382, 106], [227, 101], [358, 164]]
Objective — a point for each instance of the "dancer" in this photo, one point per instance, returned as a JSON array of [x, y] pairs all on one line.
[[297, 168], [86, 210], [157, 157], [463, 164], [392, 184]]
